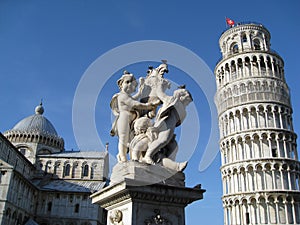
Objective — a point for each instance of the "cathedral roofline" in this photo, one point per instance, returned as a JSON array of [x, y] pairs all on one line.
[[77, 154], [71, 185]]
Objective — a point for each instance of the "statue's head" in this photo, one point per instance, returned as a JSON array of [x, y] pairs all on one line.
[[141, 125], [127, 82]]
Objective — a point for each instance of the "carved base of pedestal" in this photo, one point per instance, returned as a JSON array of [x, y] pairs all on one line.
[[150, 204], [145, 174]]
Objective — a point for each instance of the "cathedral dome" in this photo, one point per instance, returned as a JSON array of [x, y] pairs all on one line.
[[36, 130], [36, 123]]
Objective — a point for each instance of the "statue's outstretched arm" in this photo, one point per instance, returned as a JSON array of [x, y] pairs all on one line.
[[134, 104]]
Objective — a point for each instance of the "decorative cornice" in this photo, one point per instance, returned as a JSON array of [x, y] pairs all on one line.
[[260, 161], [35, 137], [154, 193], [245, 27], [257, 194]]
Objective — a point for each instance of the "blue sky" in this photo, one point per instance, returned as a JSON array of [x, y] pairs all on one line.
[[47, 46]]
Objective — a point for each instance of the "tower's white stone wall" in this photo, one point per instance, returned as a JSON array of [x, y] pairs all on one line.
[[260, 167]]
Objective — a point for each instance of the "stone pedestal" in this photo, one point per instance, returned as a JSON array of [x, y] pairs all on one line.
[[138, 197], [145, 174]]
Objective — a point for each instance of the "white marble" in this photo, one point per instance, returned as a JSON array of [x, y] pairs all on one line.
[[257, 142], [145, 122], [150, 204]]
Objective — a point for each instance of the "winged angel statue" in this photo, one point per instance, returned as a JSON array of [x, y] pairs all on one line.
[[145, 122]]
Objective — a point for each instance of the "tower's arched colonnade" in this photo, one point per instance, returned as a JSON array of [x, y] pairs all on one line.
[[260, 168]]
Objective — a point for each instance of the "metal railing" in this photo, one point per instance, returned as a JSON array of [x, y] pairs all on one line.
[[243, 23]]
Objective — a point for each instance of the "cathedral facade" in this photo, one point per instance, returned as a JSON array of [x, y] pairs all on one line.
[[260, 168], [41, 183]]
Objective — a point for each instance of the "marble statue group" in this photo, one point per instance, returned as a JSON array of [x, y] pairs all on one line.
[[145, 121]]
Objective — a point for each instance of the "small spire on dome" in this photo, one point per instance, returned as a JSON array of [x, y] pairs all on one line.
[[39, 109]]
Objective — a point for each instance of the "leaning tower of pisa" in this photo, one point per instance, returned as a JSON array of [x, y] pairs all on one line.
[[260, 167]]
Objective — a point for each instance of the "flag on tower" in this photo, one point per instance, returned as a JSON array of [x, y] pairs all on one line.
[[230, 22]]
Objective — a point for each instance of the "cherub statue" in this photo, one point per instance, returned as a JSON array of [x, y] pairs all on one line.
[[125, 108], [116, 217], [145, 133], [169, 116]]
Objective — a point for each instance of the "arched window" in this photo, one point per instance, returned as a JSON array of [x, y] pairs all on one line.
[[8, 212], [262, 63], [92, 173], [55, 169], [235, 48], [256, 44], [263, 211], [49, 206], [281, 210], [272, 210], [67, 170], [244, 38], [85, 170], [14, 215], [289, 210], [76, 210], [243, 88]]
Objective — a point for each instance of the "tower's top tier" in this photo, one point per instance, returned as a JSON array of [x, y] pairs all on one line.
[[244, 37]]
